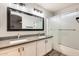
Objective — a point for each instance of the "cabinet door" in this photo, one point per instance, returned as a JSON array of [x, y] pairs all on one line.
[[49, 45], [29, 49], [10, 52], [40, 47]]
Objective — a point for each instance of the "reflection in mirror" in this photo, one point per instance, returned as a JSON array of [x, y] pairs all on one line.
[[19, 20]]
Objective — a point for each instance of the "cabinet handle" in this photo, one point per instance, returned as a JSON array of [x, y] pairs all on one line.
[[46, 41], [18, 49], [22, 48]]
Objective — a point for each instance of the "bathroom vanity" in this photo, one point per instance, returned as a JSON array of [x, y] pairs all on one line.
[[26, 46]]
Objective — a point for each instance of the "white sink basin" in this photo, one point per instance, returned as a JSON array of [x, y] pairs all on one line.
[[42, 37], [18, 41]]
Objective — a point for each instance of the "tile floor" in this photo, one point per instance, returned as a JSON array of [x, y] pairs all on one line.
[[55, 53]]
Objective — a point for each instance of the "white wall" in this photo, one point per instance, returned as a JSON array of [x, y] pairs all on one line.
[[65, 19], [3, 20], [53, 26]]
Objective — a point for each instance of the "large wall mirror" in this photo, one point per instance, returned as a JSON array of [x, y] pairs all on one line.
[[22, 21]]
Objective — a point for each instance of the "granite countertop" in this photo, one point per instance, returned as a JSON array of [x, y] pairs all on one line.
[[24, 40]]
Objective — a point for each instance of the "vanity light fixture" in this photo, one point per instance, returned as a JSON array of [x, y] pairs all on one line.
[[37, 10], [20, 4]]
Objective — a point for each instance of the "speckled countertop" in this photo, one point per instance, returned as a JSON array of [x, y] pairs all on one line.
[[23, 40]]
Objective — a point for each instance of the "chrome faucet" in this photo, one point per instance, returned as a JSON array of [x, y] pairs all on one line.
[[18, 35]]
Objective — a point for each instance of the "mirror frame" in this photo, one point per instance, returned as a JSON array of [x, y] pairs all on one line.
[[8, 21]]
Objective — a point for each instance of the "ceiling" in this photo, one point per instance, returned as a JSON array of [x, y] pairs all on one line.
[[53, 7]]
